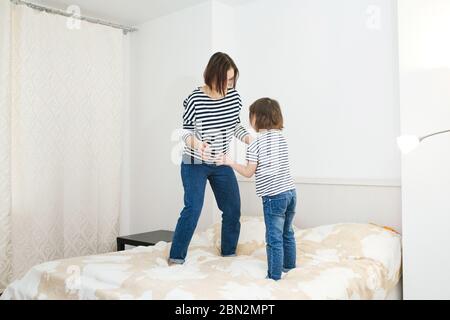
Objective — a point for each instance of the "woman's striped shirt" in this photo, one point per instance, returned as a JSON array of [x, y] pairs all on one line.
[[215, 121], [270, 151]]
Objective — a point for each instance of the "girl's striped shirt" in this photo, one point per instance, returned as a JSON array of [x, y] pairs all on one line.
[[270, 151], [215, 121]]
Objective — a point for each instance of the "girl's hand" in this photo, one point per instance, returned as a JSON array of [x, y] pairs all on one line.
[[224, 160], [249, 139]]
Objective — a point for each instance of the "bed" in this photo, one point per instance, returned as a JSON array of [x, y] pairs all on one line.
[[339, 261]]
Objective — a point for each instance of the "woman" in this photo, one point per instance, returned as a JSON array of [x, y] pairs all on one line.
[[210, 120]]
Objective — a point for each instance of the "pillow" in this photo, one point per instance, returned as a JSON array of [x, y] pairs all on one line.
[[345, 241], [252, 236]]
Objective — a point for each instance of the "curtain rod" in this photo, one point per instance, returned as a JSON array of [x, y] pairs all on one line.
[[125, 29]]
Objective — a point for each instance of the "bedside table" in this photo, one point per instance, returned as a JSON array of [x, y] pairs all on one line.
[[144, 239]]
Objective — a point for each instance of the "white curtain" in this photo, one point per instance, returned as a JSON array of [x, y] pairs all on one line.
[[61, 98]]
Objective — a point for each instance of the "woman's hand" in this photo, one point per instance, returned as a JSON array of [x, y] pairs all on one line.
[[204, 149]]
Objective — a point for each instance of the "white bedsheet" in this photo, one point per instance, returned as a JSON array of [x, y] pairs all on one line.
[[342, 261]]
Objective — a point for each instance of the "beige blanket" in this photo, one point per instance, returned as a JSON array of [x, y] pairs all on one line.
[[342, 261]]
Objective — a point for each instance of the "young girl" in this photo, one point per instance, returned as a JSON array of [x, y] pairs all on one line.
[[267, 158]]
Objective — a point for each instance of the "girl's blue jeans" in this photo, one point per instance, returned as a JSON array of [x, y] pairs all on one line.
[[279, 211]]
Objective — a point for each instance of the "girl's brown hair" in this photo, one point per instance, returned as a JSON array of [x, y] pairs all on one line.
[[215, 74], [267, 114]]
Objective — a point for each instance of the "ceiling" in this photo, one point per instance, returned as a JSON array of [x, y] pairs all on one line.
[[128, 12]]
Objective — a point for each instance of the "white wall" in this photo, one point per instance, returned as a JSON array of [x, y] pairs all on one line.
[[424, 51], [168, 58], [333, 69], [332, 66], [223, 28], [322, 202]]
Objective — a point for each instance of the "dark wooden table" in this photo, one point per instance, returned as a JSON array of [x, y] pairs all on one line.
[[144, 239]]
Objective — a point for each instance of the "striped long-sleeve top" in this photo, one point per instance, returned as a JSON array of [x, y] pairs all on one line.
[[214, 121]]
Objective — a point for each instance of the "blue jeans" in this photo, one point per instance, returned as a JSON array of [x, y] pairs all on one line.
[[279, 211], [226, 191]]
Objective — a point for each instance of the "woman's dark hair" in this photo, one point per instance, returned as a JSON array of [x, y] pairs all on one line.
[[267, 113], [215, 74]]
